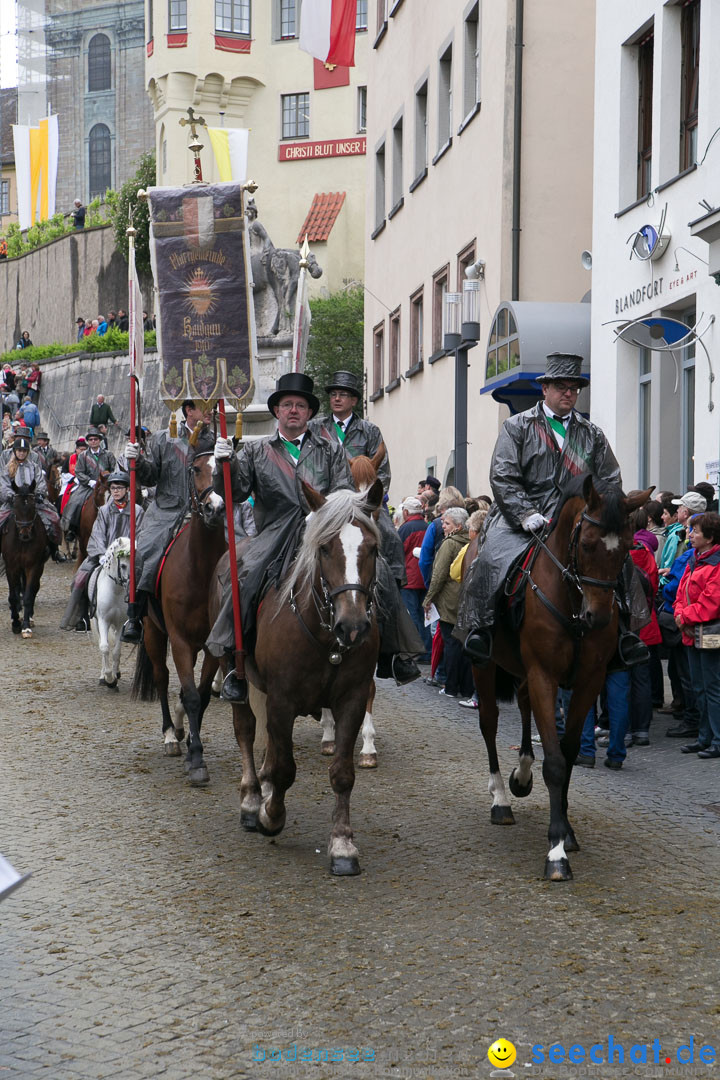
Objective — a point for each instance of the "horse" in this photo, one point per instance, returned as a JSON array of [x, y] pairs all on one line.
[[111, 588], [52, 476], [181, 617], [568, 635], [316, 647], [89, 512], [24, 550], [364, 473]]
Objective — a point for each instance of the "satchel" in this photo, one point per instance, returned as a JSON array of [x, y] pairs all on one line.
[[671, 633], [707, 635]]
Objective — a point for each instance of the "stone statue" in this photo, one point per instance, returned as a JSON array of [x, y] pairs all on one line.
[[275, 272]]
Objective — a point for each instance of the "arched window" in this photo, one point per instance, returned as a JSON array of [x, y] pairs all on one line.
[[99, 67], [504, 345], [100, 160]]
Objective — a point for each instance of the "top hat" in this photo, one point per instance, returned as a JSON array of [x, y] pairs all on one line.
[[294, 382], [344, 380], [431, 481], [41, 435], [93, 431], [564, 366]]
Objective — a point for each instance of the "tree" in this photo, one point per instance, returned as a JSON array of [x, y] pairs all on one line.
[[121, 203], [336, 340]]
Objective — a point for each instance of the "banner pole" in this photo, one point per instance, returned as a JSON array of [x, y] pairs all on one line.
[[239, 650], [133, 394]]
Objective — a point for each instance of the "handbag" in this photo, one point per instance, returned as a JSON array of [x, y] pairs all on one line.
[[707, 635], [671, 633]]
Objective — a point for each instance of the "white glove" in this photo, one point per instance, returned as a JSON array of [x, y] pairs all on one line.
[[534, 523], [223, 449], [132, 451], [92, 483]]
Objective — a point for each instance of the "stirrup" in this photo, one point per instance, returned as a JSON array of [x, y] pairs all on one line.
[[631, 650], [234, 689], [478, 646], [132, 632]]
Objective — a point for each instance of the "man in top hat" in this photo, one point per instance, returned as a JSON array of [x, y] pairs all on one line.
[[44, 450], [344, 426], [536, 454], [162, 464], [22, 466], [90, 465]]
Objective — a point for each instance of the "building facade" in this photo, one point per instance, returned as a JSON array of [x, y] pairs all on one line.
[[479, 160], [237, 63], [655, 309], [8, 186]]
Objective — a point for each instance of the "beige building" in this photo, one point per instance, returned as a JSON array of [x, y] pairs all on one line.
[[480, 159], [8, 183], [237, 63]]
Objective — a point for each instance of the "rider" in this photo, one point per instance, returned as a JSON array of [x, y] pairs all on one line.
[[273, 468], [44, 449], [90, 465], [162, 464], [23, 467], [537, 452], [112, 521]]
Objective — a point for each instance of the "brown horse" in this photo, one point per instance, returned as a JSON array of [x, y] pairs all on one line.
[[52, 476], [181, 617], [89, 512], [24, 550], [568, 635], [317, 646]]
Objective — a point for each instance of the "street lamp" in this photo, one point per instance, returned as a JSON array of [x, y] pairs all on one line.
[[461, 331]]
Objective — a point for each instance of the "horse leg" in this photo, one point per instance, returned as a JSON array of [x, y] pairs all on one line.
[[155, 645], [368, 753], [116, 650], [14, 604], [250, 798], [543, 692], [484, 678], [521, 778], [184, 660], [278, 769], [327, 744], [344, 856], [31, 586], [104, 647], [178, 724]]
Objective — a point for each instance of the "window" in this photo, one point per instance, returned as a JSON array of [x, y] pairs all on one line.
[[99, 69], [465, 258], [232, 16], [440, 287], [471, 71], [645, 99], [378, 357], [690, 71], [397, 174], [99, 158], [645, 425], [503, 345], [177, 15], [288, 19], [380, 186], [295, 115], [421, 137], [416, 328], [362, 109], [5, 197], [445, 98], [394, 365], [361, 15]]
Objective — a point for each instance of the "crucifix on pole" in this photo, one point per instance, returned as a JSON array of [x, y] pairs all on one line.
[[195, 146]]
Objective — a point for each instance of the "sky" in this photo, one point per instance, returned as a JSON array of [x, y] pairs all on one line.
[[8, 73]]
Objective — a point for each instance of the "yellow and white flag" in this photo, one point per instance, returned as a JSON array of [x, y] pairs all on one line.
[[36, 162], [230, 146]]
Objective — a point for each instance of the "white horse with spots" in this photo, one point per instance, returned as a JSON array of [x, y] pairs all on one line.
[[111, 608]]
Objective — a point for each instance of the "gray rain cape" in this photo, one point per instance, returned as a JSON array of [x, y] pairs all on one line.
[[87, 469], [25, 473], [527, 474]]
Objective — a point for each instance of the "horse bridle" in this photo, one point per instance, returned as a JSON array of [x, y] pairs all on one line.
[[197, 499], [26, 537], [325, 608]]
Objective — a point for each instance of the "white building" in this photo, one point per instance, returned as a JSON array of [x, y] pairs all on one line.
[[657, 163]]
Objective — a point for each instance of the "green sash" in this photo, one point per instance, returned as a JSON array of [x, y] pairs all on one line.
[[557, 426], [340, 431], [291, 448]]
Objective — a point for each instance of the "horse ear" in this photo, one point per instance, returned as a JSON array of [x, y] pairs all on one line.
[[378, 457], [374, 498], [590, 495], [636, 501], [314, 499]]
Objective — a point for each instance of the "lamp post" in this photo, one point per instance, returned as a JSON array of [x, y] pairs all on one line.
[[461, 331]]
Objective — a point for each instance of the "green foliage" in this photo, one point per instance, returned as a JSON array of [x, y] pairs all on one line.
[[95, 213], [126, 199], [113, 341], [43, 232], [336, 340]]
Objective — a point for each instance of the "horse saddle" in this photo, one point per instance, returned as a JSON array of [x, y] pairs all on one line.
[[511, 603]]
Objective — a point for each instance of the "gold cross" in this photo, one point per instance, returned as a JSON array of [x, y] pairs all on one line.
[[192, 120]]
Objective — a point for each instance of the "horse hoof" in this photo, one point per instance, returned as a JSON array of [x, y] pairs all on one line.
[[249, 821], [198, 777], [501, 815], [27, 632], [367, 761], [517, 789], [172, 749], [327, 749], [112, 686], [557, 870], [344, 866], [265, 827], [16, 628]]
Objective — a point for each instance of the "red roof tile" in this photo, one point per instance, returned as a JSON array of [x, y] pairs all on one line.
[[321, 217]]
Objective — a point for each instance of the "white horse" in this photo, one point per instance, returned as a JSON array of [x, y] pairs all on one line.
[[368, 753], [111, 611]]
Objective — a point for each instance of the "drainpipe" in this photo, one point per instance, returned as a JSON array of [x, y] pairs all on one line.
[[517, 136]]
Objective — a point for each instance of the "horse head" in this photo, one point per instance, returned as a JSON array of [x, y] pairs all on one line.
[[600, 541], [204, 500], [364, 469], [25, 510], [116, 561], [101, 491], [338, 554]]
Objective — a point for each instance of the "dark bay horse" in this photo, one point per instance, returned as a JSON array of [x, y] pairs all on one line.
[[24, 550], [181, 618], [89, 512], [317, 647], [568, 635]]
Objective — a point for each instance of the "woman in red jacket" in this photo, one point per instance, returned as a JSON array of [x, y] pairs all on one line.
[[697, 602]]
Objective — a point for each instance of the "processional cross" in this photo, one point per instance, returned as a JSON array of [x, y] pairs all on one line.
[[194, 145]]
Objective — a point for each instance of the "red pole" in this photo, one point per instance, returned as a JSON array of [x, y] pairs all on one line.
[[133, 478], [239, 664]]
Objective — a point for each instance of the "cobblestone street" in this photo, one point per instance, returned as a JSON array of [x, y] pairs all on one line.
[[157, 939]]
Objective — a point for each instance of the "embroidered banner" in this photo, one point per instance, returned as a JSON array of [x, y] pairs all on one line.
[[205, 323]]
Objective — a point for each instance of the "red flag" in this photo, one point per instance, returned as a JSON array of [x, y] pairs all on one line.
[[327, 30]]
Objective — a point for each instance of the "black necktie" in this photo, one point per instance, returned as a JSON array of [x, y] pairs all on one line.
[[297, 442], [561, 419]]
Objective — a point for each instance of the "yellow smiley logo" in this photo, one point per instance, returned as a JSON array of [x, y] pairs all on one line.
[[502, 1054]]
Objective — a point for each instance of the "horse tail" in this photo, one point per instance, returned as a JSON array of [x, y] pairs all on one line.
[[143, 686], [505, 685]]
